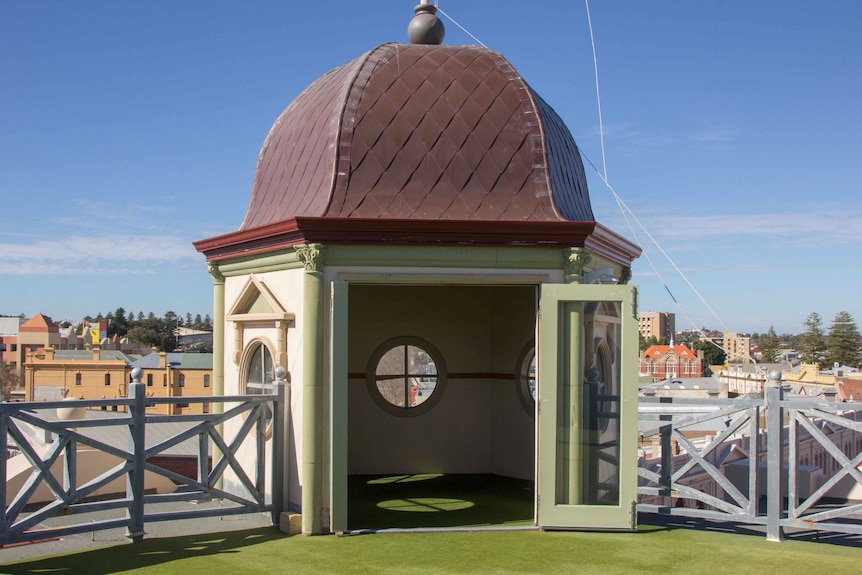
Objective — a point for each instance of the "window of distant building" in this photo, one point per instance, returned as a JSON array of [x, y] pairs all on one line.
[[206, 380], [164, 380], [406, 376], [182, 405], [14, 346], [107, 379], [78, 378], [182, 380], [149, 380], [206, 407]]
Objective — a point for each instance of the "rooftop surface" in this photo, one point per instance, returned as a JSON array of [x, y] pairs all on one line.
[[250, 546]]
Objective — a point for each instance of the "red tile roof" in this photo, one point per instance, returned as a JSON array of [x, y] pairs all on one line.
[[38, 324], [659, 350]]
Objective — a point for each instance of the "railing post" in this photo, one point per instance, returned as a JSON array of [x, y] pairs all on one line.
[[667, 461], [774, 456], [4, 446], [135, 478], [279, 427]]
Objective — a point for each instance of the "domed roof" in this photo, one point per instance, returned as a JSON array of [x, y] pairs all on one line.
[[419, 132]]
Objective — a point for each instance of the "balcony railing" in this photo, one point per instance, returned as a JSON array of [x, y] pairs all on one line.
[[777, 462], [51, 447]]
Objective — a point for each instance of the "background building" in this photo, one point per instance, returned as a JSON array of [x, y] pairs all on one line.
[[96, 373], [177, 375], [670, 362], [51, 375], [737, 347], [658, 324]]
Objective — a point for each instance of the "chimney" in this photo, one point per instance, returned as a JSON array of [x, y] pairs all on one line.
[[163, 359], [49, 354]]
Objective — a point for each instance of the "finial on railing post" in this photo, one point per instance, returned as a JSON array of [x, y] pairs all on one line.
[[137, 375], [774, 378]]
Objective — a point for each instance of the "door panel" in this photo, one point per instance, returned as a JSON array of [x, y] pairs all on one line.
[[338, 407], [587, 385]]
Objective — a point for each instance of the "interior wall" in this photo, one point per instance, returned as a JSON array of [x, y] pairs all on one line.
[[512, 447], [479, 425]]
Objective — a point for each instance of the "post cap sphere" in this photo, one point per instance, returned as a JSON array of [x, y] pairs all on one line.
[[425, 27]]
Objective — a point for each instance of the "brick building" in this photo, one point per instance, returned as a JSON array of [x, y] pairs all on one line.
[[671, 362]]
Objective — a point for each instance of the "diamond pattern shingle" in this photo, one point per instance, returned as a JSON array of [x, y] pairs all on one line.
[[420, 132]]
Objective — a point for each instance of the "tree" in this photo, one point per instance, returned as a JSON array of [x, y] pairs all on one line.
[[770, 347], [812, 344], [118, 325], [8, 381], [712, 354], [843, 340]]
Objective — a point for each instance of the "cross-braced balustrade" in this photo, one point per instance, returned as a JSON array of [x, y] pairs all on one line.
[[231, 450], [777, 462]]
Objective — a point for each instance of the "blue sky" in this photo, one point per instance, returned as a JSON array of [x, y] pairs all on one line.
[[733, 131]]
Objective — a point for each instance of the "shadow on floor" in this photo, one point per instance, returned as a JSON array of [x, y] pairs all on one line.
[[436, 500], [147, 553], [651, 522]]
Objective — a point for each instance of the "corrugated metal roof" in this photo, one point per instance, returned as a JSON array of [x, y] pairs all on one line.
[[87, 355], [180, 360]]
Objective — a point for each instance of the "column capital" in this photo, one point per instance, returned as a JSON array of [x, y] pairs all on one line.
[[575, 260], [313, 256], [213, 270]]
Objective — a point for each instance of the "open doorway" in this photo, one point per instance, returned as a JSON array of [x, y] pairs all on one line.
[[441, 405]]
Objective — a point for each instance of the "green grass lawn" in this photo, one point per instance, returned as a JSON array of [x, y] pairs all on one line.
[[657, 550]]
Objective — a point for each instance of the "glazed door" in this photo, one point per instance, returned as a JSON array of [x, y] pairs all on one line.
[[587, 412]]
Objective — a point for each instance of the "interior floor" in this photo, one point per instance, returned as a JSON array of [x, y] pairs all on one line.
[[435, 500]]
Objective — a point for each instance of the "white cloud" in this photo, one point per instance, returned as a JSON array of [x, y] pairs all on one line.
[[826, 228], [103, 254]]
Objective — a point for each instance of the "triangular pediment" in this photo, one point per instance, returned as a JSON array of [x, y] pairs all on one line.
[[257, 302]]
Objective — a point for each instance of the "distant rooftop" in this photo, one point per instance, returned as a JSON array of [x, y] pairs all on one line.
[[182, 360]]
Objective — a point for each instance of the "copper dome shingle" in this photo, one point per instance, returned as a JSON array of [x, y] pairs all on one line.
[[420, 132]]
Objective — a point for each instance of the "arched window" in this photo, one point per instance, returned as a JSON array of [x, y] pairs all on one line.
[[258, 373]]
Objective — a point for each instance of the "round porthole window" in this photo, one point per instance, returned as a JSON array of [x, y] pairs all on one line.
[[526, 378], [406, 376]]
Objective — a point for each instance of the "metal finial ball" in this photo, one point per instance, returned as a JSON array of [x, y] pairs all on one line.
[[280, 372], [425, 27], [137, 374]]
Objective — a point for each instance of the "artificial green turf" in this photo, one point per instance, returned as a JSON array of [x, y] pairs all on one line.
[[437, 500], [656, 550]]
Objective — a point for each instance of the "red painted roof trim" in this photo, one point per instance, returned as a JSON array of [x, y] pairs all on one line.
[[355, 231]]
